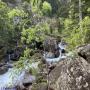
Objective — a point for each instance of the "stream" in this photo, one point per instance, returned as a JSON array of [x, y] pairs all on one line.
[[5, 79], [11, 79]]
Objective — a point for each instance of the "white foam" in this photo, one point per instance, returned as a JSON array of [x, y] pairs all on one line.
[[10, 78]]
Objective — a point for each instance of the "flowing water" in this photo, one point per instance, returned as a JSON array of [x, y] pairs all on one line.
[[53, 60], [6, 80], [13, 77], [10, 78]]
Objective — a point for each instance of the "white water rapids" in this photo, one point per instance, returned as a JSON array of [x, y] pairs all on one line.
[[12, 77]]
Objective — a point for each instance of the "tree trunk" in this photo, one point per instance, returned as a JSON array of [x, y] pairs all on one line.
[[80, 14]]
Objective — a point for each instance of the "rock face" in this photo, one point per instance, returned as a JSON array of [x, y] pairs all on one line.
[[50, 44], [70, 74], [84, 51], [41, 86], [25, 80]]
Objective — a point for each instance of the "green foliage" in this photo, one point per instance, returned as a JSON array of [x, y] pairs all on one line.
[[28, 35], [74, 36], [75, 39], [4, 23], [2, 5], [46, 8], [35, 33], [68, 24], [16, 12], [36, 22], [33, 6], [27, 53], [88, 9], [86, 29]]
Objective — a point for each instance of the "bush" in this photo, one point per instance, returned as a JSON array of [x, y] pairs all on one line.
[[75, 36], [46, 8]]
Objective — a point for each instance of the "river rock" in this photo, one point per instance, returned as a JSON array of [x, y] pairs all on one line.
[[50, 44], [70, 74], [25, 80], [84, 51], [3, 70]]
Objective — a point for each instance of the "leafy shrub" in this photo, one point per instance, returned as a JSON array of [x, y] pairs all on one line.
[[46, 8], [75, 36]]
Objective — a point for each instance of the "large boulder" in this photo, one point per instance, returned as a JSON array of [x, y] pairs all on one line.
[[50, 44], [70, 74], [25, 80], [84, 51]]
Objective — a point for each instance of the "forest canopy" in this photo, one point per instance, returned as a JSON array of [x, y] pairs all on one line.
[[24, 21]]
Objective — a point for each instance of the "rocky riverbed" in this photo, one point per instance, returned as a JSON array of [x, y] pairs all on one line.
[[70, 73]]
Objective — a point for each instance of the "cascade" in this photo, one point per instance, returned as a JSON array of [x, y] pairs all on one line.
[[53, 60], [10, 79]]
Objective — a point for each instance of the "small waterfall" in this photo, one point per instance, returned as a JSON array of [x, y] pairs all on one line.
[[10, 79], [53, 60], [6, 80]]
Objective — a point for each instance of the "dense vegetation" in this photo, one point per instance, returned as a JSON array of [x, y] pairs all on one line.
[[27, 20], [30, 17]]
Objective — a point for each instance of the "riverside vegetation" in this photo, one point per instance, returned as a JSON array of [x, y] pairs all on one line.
[[31, 28]]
